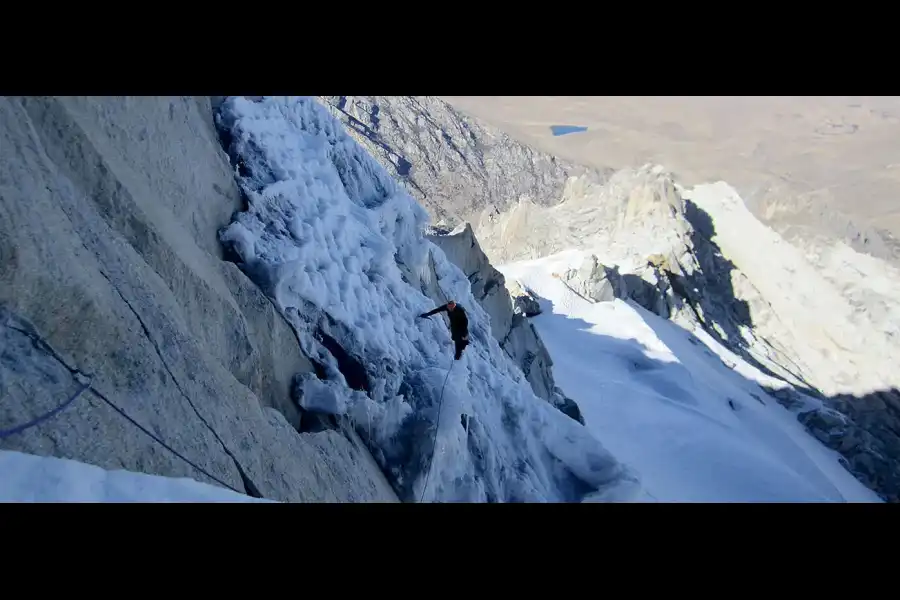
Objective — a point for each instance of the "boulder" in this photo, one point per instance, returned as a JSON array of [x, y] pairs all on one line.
[[524, 301]]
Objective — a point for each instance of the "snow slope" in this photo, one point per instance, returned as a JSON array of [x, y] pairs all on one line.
[[31, 478], [665, 402], [339, 246]]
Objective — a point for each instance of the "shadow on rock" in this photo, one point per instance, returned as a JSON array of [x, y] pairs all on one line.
[[711, 297], [718, 302]]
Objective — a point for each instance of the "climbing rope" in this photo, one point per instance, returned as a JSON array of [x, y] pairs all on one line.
[[441, 400], [88, 385], [436, 429], [5, 433], [163, 444]]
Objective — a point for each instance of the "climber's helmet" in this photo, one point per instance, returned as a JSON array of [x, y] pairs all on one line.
[[451, 305]]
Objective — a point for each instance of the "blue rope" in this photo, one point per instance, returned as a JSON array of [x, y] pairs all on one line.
[[163, 444], [436, 429], [5, 433]]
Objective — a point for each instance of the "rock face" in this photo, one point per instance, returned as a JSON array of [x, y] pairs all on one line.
[[634, 212], [488, 284], [455, 166], [510, 328], [110, 266], [866, 431]]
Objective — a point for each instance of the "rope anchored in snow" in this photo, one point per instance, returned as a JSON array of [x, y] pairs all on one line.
[[436, 429]]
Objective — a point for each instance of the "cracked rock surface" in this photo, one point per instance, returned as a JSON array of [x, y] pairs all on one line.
[[455, 165], [109, 209]]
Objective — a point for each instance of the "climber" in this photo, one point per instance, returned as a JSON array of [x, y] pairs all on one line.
[[459, 324]]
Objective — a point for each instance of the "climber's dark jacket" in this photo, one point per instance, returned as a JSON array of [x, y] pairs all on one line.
[[459, 322], [459, 326]]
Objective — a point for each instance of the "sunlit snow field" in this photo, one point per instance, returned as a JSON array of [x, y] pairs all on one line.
[[662, 401]]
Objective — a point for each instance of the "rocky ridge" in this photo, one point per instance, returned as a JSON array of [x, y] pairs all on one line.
[[456, 166]]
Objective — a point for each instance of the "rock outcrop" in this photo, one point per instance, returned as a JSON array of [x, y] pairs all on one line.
[[657, 286], [488, 284], [524, 301], [633, 213], [866, 432], [110, 266], [510, 328]]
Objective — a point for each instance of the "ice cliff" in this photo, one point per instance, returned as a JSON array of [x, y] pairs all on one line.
[[341, 249]]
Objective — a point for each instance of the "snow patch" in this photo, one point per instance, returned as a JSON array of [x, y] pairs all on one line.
[[31, 478]]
